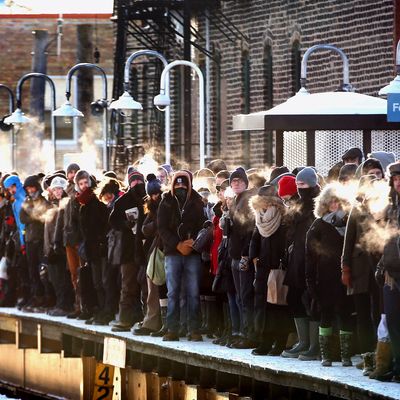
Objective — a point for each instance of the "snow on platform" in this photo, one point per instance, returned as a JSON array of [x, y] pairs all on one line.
[[241, 362]]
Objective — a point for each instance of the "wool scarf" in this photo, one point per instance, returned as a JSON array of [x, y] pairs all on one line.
[[268, 221], [337, 219]]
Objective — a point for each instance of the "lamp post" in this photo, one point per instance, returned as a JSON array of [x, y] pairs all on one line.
[[346, 86], [127, 102], [394, 85], [18, 117], [6, 127], [163, 99], [100, 106]]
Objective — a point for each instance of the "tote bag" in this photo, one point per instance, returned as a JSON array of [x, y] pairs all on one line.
[[277, 291], [155, 267]]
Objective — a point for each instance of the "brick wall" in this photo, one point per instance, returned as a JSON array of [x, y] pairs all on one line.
[[363, 29]]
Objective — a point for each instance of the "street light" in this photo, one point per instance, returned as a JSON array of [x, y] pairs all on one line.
[[18, 117], [346, 86], [126, 102], [68, 111], [394, 85], [163, 99], [6, 127]]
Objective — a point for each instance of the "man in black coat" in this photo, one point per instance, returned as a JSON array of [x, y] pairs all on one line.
[[180, 218], [127, 217]]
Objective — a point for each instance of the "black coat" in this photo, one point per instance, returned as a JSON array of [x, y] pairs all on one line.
[[242, 225], [32, 216], [68, 230], [131, 244], [176, 225], [324, 246]]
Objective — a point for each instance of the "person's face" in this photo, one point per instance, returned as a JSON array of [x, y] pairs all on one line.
[[155, 197], [334, 205], [396, 183], [229, 202], [180, 185], [162, 176], [108, 197], [134, 183], [377, 172], [352, 161], [218, 181], [71, 176], [220, 193], [302, 185], [12, 190], [31, 190], [238, 185], [83, 184], [57, 192]]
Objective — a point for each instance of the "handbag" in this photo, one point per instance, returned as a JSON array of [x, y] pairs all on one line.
[[155, 267], [277, 291], [204, 238]]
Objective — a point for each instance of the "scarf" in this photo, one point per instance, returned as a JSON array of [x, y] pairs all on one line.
[[85, 197], [338, 220], [268, 221]]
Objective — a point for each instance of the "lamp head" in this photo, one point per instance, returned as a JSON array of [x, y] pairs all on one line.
[[97, 107], [126, 102], [392, 88], [3, 126], [162, 100], [17, 117], [67, 111]]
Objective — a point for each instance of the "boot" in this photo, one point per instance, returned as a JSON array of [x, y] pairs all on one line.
[[303, 332], [227, 326], [325, 346], [210, 328], [163, 330], [368, 363], [345, 348], [313, 352], [383, 363]]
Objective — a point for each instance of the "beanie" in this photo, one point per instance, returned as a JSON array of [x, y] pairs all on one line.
[[134, 174], [287, 186], [385, 158], [58, 182], [267, 191], [354, 152], [308, 176], [32, 180], [239, 173], [394, 169], [277, 172], [347, 172], [153, 185], [73, 167]]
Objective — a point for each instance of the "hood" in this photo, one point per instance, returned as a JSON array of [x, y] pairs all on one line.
[[258, 203], [331, 191], [12, 180], [181, 174]]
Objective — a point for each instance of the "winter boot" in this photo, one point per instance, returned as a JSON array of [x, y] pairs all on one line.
[[345, 348], [383, 363], [313, 352], [368, 363], [325, 346], [303, 332], [163, 310]]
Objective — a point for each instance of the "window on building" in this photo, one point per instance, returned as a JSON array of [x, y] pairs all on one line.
[[245, 82], [296, 66], [268, 78]]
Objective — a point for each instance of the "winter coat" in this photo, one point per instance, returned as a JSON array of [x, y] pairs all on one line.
[[150, 229], [242, 225], [131, 244], [67, 225], [176, 225], [355, 255], [93, 219], [324, 246], [32, 216]]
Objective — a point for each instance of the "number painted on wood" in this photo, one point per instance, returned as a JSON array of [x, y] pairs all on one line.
[[105, 375], [104, 396], [103, 382]]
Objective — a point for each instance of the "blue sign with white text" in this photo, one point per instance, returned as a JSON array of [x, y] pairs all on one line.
[[393, 107]]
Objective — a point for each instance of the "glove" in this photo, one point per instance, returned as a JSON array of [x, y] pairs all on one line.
[[346, 276], [380, 275], [244, 264], [10, 220], [23, 250], [185, 247]]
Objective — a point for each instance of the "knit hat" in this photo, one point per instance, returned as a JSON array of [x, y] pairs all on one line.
[[277, 172], [239, 173], [58, 182], [181, 180], [347, 172], [371, 163], [394, 169], [153, 185], [110, 174], [169, 170], [73, 167], [134, 174], [354, 152], [287, 186], [308, 176], [33, 181], [385, 158]]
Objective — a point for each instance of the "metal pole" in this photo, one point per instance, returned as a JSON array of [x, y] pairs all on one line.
[[208, 84], [192, 65], [127, 71], [11, 110]]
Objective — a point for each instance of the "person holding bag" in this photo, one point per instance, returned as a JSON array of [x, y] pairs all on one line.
[[267, 249]]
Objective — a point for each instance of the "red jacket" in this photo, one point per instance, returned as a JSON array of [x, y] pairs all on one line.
[[217, 239]]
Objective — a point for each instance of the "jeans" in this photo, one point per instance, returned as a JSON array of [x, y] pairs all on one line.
[[391, 299], [183, 271], [234, 312], [245, 291]]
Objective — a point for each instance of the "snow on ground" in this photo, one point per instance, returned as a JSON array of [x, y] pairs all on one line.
[[351, 376]]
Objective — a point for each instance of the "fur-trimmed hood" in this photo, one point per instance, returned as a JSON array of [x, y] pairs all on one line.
[[258, 203], [331, 191]]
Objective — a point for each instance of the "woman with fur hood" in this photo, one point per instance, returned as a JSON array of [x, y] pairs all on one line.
[[267, 249], [324, 243]]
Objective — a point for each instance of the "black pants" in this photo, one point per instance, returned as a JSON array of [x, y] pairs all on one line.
[[98, 268], [60, 278], [295, 302], [260, 300], [392, 311], [366, 328], [112, 287], [34, 256], [336, 312]]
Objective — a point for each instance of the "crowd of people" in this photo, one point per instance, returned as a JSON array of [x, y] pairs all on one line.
[[292, 264]]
